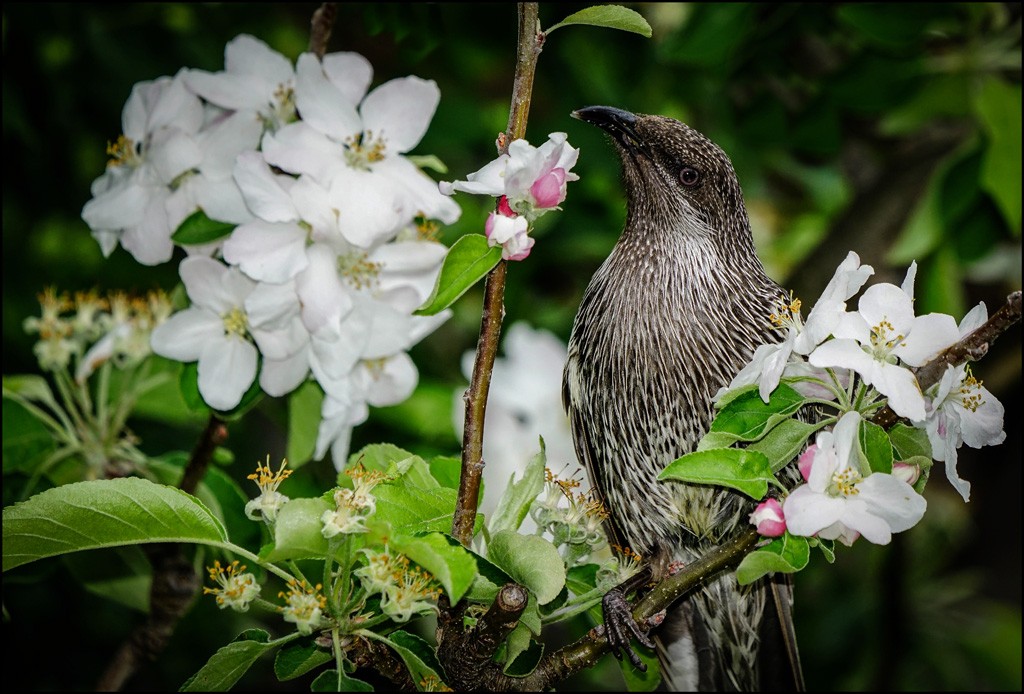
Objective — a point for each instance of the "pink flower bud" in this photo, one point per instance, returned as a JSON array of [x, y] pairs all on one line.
[[805, 460], [768, 518], [907, 473], [504, 208], [549, 189]]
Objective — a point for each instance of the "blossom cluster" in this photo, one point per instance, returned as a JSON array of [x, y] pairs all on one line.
[[323, 240], [88, 330], [405, 590], [856, 362], [528, 182]]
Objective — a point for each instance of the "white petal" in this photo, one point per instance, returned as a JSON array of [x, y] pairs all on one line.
[[974, 319], [267, 251], [892, 500], [423, 196], [247, 55], [149, 241], [182, 336], [393, 383], [172, 153], [117, 208], [262, 189], [929, 335], [901, 387], [281, 376], [843, 353], [400, 111], [370, 207], [281, 343], [230, 90], [222, 144], [962, 486], [227, 367], [852, 326], [320, 290], [887, 302], [176, 107], [222, 201], [808, 512], [272, 306], [321, 104], [299, 148], [908, 282], [350, 73], [202, 279], [983, 426]]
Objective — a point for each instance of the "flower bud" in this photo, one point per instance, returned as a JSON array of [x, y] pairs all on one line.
[[768, 518], [805, 460], [906, 472]]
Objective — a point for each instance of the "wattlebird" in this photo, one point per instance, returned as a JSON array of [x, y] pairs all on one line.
[[668, 319]]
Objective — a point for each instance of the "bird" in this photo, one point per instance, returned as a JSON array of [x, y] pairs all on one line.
[[673, 313]]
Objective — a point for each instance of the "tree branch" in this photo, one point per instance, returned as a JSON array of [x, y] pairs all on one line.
[[174, 584], [529, 48], [321, 26]]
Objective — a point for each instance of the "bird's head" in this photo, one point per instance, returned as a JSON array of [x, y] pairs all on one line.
[[674, 176]]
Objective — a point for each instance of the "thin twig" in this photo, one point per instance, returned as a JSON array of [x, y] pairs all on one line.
[[321, 26], [529, 47]]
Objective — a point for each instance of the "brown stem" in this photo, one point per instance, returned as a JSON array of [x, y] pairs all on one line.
[[467, 655], [529, 47], [175, 582], [320, 28]]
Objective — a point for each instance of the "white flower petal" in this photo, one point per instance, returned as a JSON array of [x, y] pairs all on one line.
[[400, 111], [321, 104], [892, 500], [887, 302], [227, 367], [262, 189], [929, 335], [149, 241], [248, 55], [299, 148], [266, 251], [281, 376], [182, 336], [350, 73], [902, 389]]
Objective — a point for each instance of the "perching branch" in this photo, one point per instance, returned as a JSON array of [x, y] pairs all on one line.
[[175, 582], [529, 48], [559, 665]]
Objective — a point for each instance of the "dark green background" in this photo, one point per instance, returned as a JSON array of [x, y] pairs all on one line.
[[843, 122]]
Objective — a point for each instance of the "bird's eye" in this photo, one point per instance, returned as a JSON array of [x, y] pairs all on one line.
[[689, 176]]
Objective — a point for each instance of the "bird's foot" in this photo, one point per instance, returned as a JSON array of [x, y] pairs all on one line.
[[621, 628]]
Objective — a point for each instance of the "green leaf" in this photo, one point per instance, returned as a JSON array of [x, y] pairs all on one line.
[[189, 384], [394, 462], [297, 530], [827, 548], [446, 470], [582, 578], [740, 469], [413, 510], [998, 105], [297, 658], [609, 16], [524, 653], [910, 442], [531, 561], [450, 563], [417, 654], [786, 554], [28, 443], [519, 495], [467, 262], [30, 387], [333, 681], [104, 513], [120, 574], [876, 447], [784, 442], [749, 417], [229, 663], [198, 228], [428, 161], [303, 423]]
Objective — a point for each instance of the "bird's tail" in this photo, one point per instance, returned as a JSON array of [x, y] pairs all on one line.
[[728, 637]]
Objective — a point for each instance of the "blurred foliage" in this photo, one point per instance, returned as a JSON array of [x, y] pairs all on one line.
[[890, 129]]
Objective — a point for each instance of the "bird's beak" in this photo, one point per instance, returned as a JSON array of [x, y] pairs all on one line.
[[618, 123]]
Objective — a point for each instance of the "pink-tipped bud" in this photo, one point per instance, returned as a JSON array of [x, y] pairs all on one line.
[[906, 472], [504, 208], [768, 518], [804, 463], [549, 190]]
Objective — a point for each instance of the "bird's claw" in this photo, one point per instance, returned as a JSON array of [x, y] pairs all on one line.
[[621, 628]]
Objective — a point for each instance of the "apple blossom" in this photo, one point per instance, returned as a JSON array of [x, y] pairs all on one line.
[[842, 500], [883, 331]]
